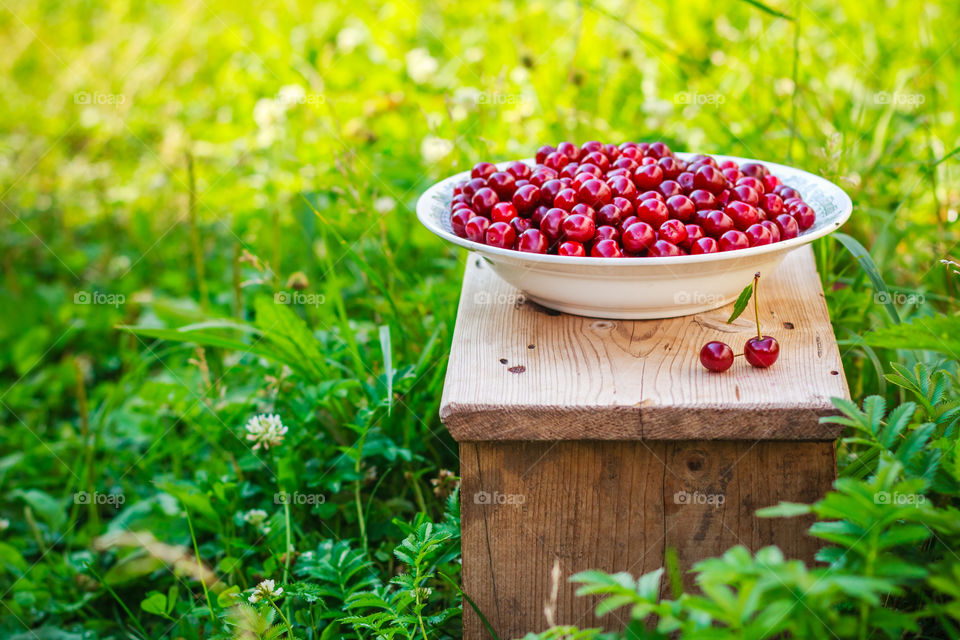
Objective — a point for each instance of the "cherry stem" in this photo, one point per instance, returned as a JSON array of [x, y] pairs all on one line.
[[756, 302]]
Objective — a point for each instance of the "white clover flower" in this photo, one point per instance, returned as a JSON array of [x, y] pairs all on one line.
[[265, 431], [435, 149], [256, 517], [384, 205], [291, 95], [265, 590], [421, 65]]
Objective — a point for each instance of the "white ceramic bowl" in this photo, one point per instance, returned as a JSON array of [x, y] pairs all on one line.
[[641, 288]]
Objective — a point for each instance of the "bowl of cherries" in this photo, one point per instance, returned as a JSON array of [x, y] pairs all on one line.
[[632, 231]]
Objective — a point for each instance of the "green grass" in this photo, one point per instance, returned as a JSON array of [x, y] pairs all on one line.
[[150, 177]]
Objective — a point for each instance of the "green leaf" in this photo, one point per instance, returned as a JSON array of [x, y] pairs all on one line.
[[768, 9], [741, 304], [939, 333], [784, 510], [155, 603], [870, 268]]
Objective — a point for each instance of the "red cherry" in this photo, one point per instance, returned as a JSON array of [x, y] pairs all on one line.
[[753, 183], [503, 212], [590, 147], [574, 249], [595, 193], [788, 226], [543, 175], [731, 174], [569, 149], [606, 232], [579, 228], [664, 249], [646, 195], [589, 168], [622, 187], [761, 352], [525, 199], [483, 201], [704, 245], [483, 170], [805, 216], [786, 192], [549, 191], [476, 229], [716, 356], [609, 214], [566, 199], [705, 159], [543, 152], [472, 186], [670, 167], [772, 204], [648, 177], [742, 214], [556, 161], [681, 208], [612, 151], [703, 199], [670, 188], [733, 240], [770, 182], [754, 170], [606, 249], [758, 235], [717, 223], [459, 220], [638, 237], [658, 150], [532, 241], [746, 194], [520, 225], [627, 221], [519, 170], [694, 233], [501, 234], [537, 216], [685, 180], [597, 158], [626, 162], [551, 224], [673, 231], [727, 164], [569, 170], [709, 179], [772, 228], [626, 206], [654, 212]]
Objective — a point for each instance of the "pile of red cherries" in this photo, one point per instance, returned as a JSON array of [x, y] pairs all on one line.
[[632, 200]]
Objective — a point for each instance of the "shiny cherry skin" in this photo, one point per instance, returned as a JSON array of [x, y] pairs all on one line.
[[460, 218], [654, 212], [606, 232], [569, 149], [589, 147], [804, 215], [622, 187], [786, 192], [579, 228], [694, 233], [626, 162], [595, 193], [704, 245], [788, 226], [566, 199], [681, 208], [742, 214], [532, 241], [673, 231], [483, 201], [549, 191], [501, 234], [670, 188], [761, 352], [658, 150], [525, 199], [754, 170], [503, 212], [585, 210], [556, 161], [646, 195], [648, 177], [519, 170], [609, 215], [717, 223], [770, 182], [569, 170], [573, 249], [472, 186], [709, 179], [626, 206], [551, 225], [731, 174], [758, 235], [703, 199], [772, 204], [537, 215], [520, 225], [685, 180], [638, 237], [483, 170], [606, 249], [543, 152], [476, 229], [774, 230], [716, 356], [733, 240], [543, 175], [753, 183], [597, 158], [664, 249], [746, 194], [670, 167]]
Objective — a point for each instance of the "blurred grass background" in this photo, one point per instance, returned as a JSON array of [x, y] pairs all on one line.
[[148, 150]]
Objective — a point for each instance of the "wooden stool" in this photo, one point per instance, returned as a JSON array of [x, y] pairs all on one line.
[[598, 443]]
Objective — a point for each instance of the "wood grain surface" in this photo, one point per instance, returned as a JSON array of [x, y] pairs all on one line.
[[616, 506], [520, 372]]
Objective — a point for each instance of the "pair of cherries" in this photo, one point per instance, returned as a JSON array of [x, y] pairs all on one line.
[[761, 351]]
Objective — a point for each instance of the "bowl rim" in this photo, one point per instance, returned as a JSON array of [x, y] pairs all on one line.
[[427, 206]]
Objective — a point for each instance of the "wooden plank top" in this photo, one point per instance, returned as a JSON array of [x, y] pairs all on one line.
[[518, 371]]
